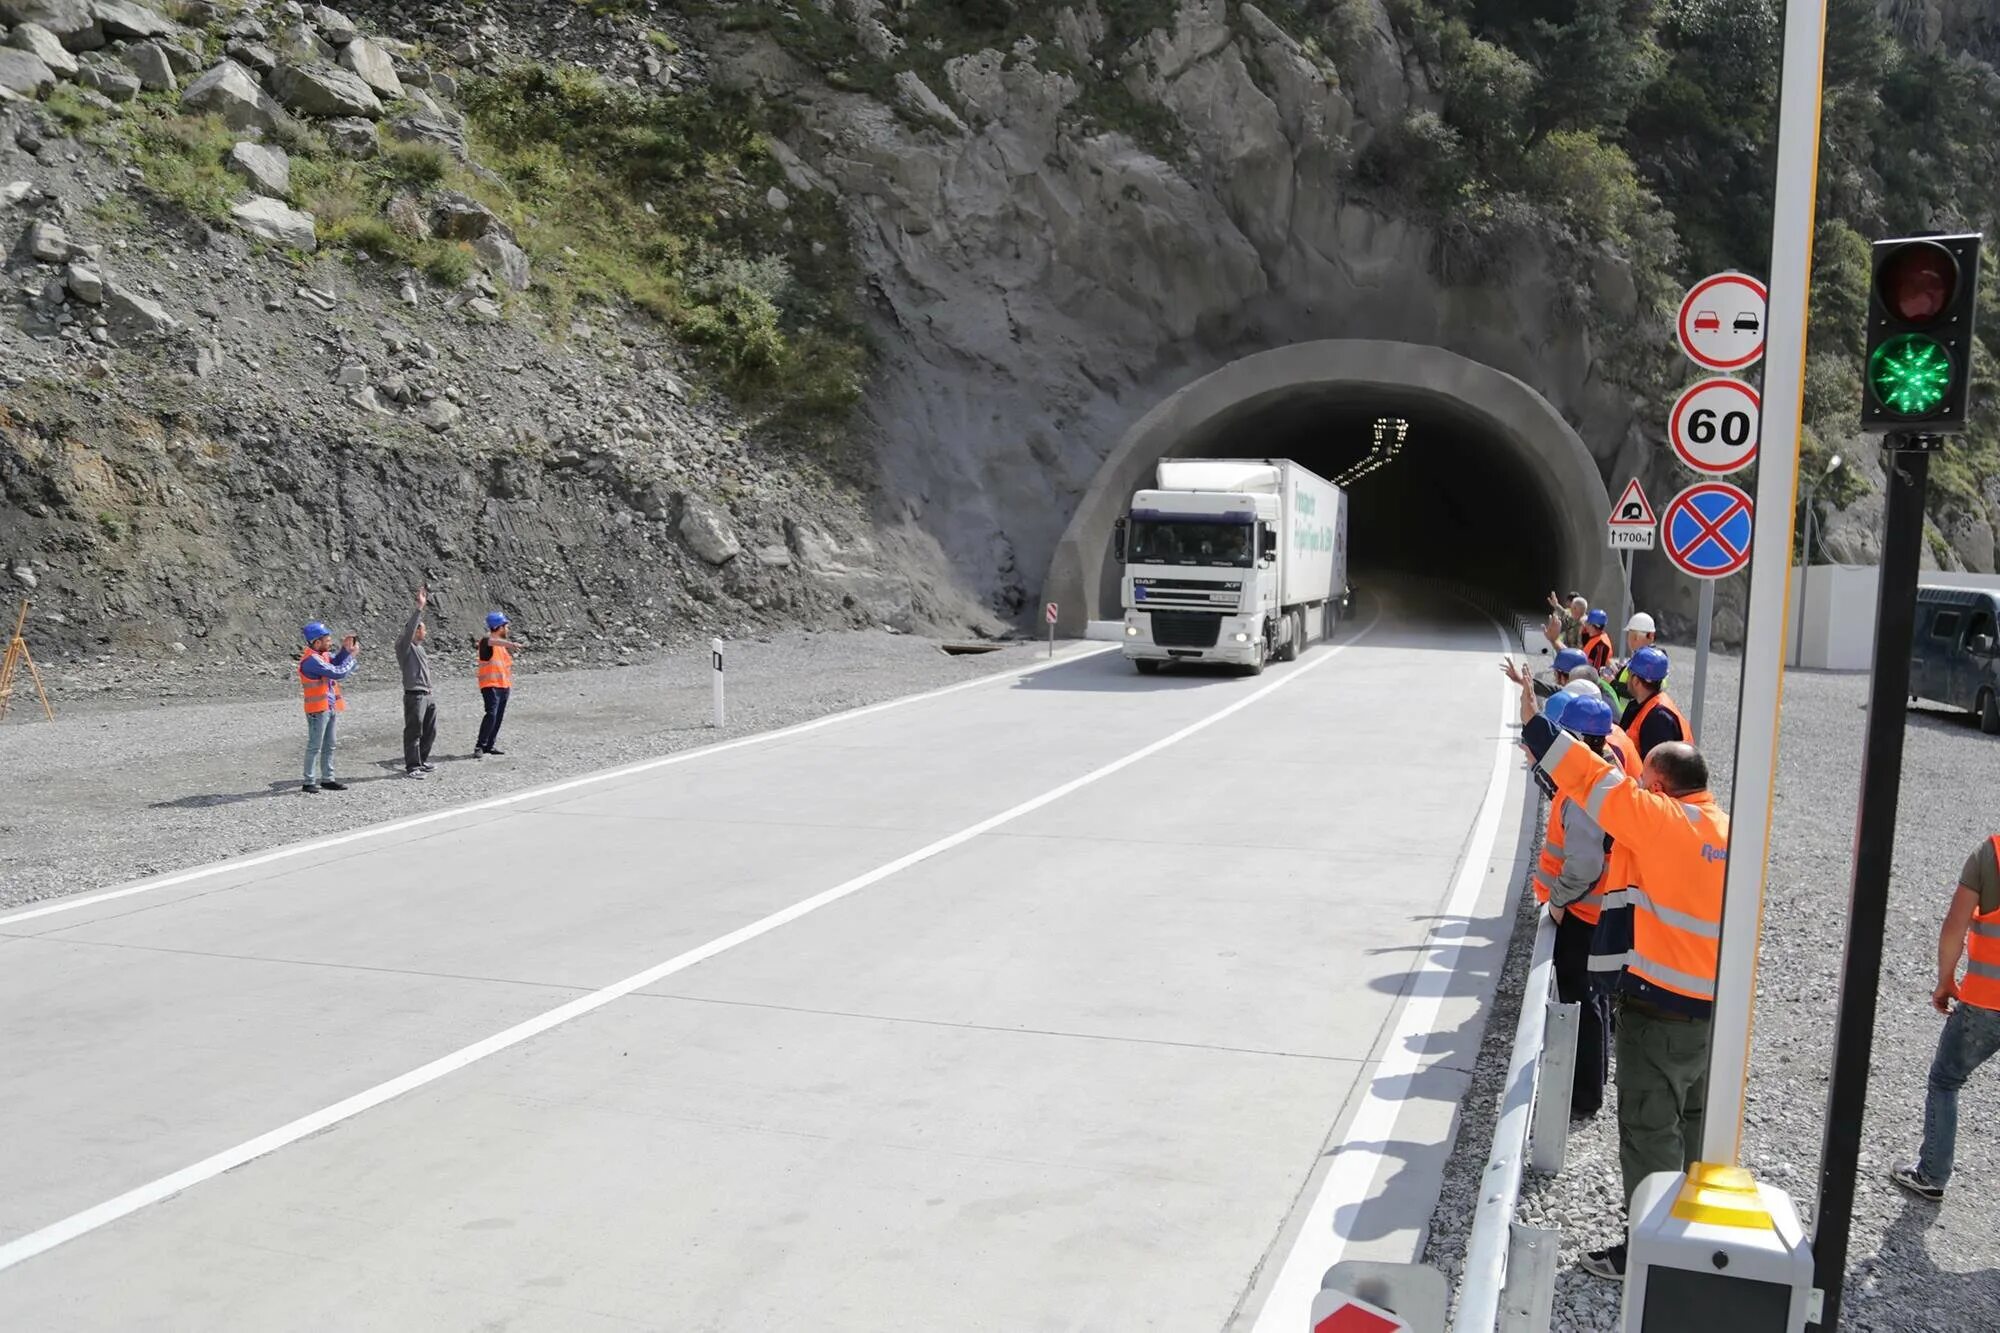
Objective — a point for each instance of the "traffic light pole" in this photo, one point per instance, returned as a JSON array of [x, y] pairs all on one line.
[[1909, 460]]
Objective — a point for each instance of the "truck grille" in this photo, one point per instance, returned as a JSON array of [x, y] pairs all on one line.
[[1186, 629]]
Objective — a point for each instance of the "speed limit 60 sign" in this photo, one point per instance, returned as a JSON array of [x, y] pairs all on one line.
[[1714, 426]]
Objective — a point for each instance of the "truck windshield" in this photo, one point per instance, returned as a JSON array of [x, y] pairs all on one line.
[[1189, 541]]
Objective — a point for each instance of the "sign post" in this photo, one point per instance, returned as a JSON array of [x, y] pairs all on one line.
[[1049, 614], [1707, 529]]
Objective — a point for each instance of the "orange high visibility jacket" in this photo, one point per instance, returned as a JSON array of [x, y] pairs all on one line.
[[321, 694], [1628, 751], [1676, 849], [497, 671], [1597, 647], [1659, 700], [1981, 987]]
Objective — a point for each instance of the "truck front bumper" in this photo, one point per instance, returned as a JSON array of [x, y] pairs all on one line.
[[1237, 641]]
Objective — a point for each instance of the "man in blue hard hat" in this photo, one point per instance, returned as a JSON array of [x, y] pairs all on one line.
[[320, 672], [1652, 719], [1596, 640], [496, 681]]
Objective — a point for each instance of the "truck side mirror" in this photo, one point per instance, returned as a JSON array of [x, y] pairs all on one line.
[[1118, 541], [1269, 541]]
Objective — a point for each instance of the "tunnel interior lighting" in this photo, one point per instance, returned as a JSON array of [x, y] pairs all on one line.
[[1389, 435]]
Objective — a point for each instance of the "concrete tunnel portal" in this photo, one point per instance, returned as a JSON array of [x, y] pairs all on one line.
[[1491, 487]]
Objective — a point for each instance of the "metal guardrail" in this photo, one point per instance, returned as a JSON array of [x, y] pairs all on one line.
[[1509, 1277]]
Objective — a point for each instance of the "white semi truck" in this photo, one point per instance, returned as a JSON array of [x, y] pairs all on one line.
[[1234, 560]]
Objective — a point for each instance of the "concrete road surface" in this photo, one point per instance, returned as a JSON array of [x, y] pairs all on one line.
[[1065, 1000]]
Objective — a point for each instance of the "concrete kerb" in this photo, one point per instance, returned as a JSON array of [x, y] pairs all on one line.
[[1079, 581]]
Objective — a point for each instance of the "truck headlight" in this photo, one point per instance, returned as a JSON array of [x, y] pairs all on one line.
[[1242, 638], [1131, 631]]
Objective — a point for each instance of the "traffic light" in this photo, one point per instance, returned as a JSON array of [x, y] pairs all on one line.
[[1920, 314]]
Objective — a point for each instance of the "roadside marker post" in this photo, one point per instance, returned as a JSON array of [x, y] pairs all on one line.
[[715, 676], [1049, 614]]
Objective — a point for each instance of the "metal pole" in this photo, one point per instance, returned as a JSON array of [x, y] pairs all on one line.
[[1625, 594], [1704, 625], [1874, 851], [715, 662], [1805, 585], [1756, 767]]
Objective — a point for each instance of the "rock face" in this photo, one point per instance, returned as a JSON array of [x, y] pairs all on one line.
[[45, 46], [148, 60], [233, 93], [324, 91], [353, 138], [506, 261], [103, 74], [121, 18], [25, 75], [273, 221], [267, 169]]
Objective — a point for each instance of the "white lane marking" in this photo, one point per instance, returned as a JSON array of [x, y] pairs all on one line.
[[1322, 1239], [90, 1219], [534, 793]]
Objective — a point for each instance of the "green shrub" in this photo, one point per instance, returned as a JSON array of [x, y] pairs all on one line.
[[73, 111], [741, 325], [181, 157], [448, 263], [419, 164]]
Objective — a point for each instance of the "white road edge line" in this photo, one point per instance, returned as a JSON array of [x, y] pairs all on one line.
[[1322, 1239], [111, 1210], [177, 878]]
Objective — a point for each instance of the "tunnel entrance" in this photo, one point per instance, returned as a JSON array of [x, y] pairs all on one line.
[[1454, 470]]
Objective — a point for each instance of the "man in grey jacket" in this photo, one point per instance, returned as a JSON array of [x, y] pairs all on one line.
[[420, 712]]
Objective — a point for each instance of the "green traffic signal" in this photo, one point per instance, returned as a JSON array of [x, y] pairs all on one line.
[[1910, 374]]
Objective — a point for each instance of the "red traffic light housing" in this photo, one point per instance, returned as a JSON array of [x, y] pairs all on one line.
[[1918, 372]]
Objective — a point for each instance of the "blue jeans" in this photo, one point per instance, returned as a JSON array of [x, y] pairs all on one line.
[[1970, 1038], [319, 744]]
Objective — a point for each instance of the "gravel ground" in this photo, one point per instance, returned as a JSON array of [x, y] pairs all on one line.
[[119, 787], [1913, 1266]]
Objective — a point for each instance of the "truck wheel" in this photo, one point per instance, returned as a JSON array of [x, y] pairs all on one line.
[[1989, 713], [1147, 666], [1295, 632], [1256, 668]]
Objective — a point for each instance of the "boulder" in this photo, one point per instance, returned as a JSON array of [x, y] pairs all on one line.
[[302, 46], [335, 26], [431, 130], [72, 21], [372, 65], [440, 414], [44, 46], [149, 61], [252, 55], [122, 18], [268, 170], [232, 92], [130, 312], [108, 76], [184, 61], [324, 91], [353, 138], [48, 243], [275, 222], [25, 75], [459, 217], [707, 532], [85, 283], [506, 261]]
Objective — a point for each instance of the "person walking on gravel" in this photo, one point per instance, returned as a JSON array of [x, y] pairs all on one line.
[[1971, 1033], [320, 672], [1660, 930], [420, 714], [496, 681]]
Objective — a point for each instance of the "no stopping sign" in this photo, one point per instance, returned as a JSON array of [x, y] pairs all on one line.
[[1714, 426]]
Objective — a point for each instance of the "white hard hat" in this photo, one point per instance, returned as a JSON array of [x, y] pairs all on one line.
[[1641, 623], [1583, 689]]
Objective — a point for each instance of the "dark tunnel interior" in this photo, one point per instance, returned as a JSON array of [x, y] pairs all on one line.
[[1456, 500]]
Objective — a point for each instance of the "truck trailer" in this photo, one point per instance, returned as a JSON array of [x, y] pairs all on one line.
[[1240, 561]]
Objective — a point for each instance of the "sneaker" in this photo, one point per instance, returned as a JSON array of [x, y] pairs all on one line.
[[428, 767], [331, 785], [416, 773], [310, 789], [495, 753], [1608, 1264], [478, 752], [1913, 1180]]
